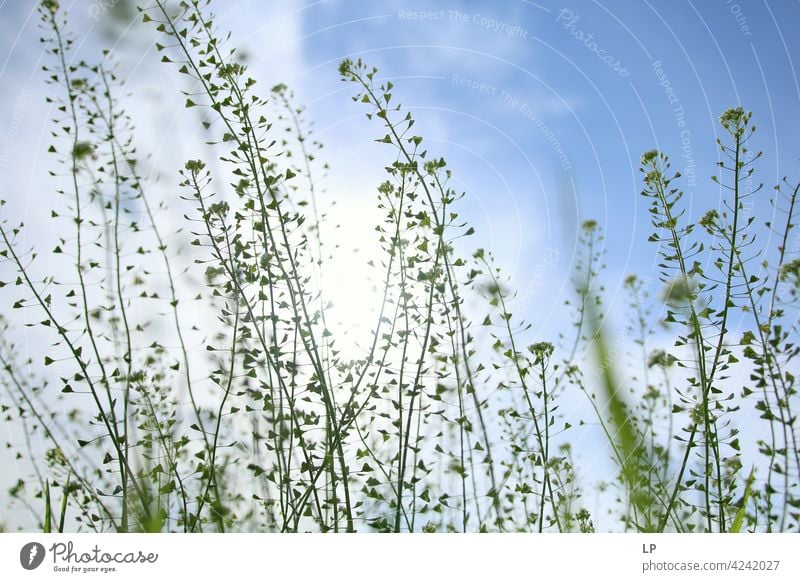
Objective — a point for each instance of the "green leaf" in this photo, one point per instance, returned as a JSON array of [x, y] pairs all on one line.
[[168, 488]]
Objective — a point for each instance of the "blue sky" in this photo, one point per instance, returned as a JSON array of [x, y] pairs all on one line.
[[542, 110], [487, 80]]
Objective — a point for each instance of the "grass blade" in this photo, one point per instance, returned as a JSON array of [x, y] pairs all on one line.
[[64, 505], [618, 408], [47, 508], [739, 520]]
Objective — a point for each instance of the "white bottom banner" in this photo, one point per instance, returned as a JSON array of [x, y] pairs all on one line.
[[401, 557]]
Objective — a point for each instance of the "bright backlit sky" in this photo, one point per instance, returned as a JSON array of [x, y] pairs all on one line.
[[542, 110]]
